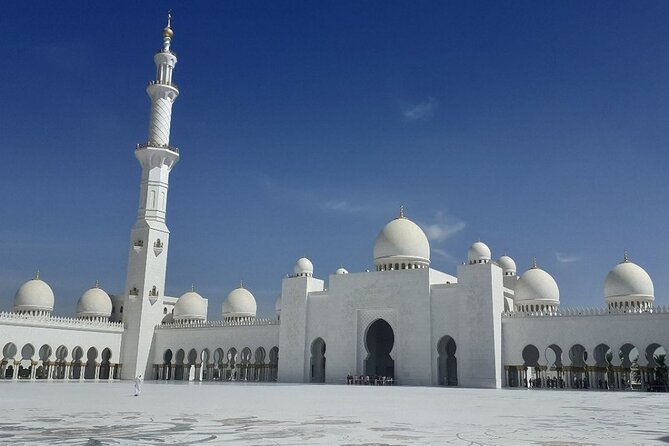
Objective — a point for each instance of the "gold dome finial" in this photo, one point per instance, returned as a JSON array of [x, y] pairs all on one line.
[[37, 275], [97, 283], [241, 284], [534, 263], [167, 31], [401, 211], [626, 257], [192, 287]]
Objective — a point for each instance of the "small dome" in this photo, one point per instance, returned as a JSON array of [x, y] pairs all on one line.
[[190, 306], [401, 240], [303, 267], [536, 286], [94, 303], [341, 271], [239, 303], [508, 265], [479, 253], [628, 280], [34, 295]]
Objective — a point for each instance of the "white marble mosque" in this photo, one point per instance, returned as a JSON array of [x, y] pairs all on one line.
[[486, 326]]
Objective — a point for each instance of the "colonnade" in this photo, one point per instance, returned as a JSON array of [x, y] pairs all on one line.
[[587, 377], [211, 372], [58, 370]]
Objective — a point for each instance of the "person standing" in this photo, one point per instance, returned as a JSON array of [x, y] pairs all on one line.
[[138, 385]]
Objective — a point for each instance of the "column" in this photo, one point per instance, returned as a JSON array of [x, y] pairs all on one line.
[[33, 370], [15, 374], [97, 371], [68, 366], [111, 372]]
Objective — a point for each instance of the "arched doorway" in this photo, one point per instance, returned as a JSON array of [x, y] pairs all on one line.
[[274, 363], [89, 370], [167, 365], [530, 365], [447, 362], [77, 364], [105, 365], [578, 356], [190, 367], [318, 361], [379, 342], [179, 369], [26, 366], [260, 369], [45, 359]]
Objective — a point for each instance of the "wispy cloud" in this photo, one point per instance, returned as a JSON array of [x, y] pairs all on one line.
[[442, 228], [445, 254], [420, 111], [344, 206], [321, 200], [564, 258]]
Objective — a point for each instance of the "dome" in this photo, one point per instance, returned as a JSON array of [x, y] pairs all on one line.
[[94, 303], [341, 271], [628, 281], [399, 241], [536, 286], [34, 296], [479, 253], [239, 303], [303, 267], [508, 265], [190, 306]]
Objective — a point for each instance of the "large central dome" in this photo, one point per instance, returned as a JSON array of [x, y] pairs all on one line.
[[401, 244]]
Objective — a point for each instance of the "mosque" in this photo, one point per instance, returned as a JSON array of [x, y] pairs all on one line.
[[484, 327]]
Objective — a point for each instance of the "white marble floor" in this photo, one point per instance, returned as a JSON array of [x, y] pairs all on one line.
[[275, 414]]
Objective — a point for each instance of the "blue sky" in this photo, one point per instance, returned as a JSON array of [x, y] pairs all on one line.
[[539, 127]]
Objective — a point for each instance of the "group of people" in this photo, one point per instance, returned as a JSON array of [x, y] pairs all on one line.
[[548, 383], [367, 380]]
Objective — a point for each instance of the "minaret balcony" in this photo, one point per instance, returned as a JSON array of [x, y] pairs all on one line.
[[167, 84], [163, 50], [150, 145]]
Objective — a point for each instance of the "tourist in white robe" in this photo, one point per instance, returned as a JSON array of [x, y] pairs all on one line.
[[138, 385]]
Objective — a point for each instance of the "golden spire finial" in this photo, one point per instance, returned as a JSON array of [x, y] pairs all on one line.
[[167, 31], [192, 287], [37, 275], [241, 284], [97, 283], [534, 263], [401, 211], [626, 257]]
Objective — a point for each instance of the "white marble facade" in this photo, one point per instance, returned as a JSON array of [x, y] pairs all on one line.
[[484, 327]]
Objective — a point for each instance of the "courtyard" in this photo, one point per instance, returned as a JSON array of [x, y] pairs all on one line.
[[81, 413]]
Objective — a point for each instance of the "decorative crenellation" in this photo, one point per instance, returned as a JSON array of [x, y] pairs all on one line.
[[592, 311], [241, 322], [58, 321]]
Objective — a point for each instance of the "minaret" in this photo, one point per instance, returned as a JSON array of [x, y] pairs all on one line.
[[149, 239]]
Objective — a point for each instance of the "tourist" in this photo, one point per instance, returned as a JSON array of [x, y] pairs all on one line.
[[138, 385]]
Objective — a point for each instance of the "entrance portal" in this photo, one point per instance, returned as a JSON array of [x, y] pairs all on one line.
[[448, 363], [379, 342], [318, 361]]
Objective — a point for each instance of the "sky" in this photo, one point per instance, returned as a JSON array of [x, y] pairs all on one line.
[[538, 127]]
